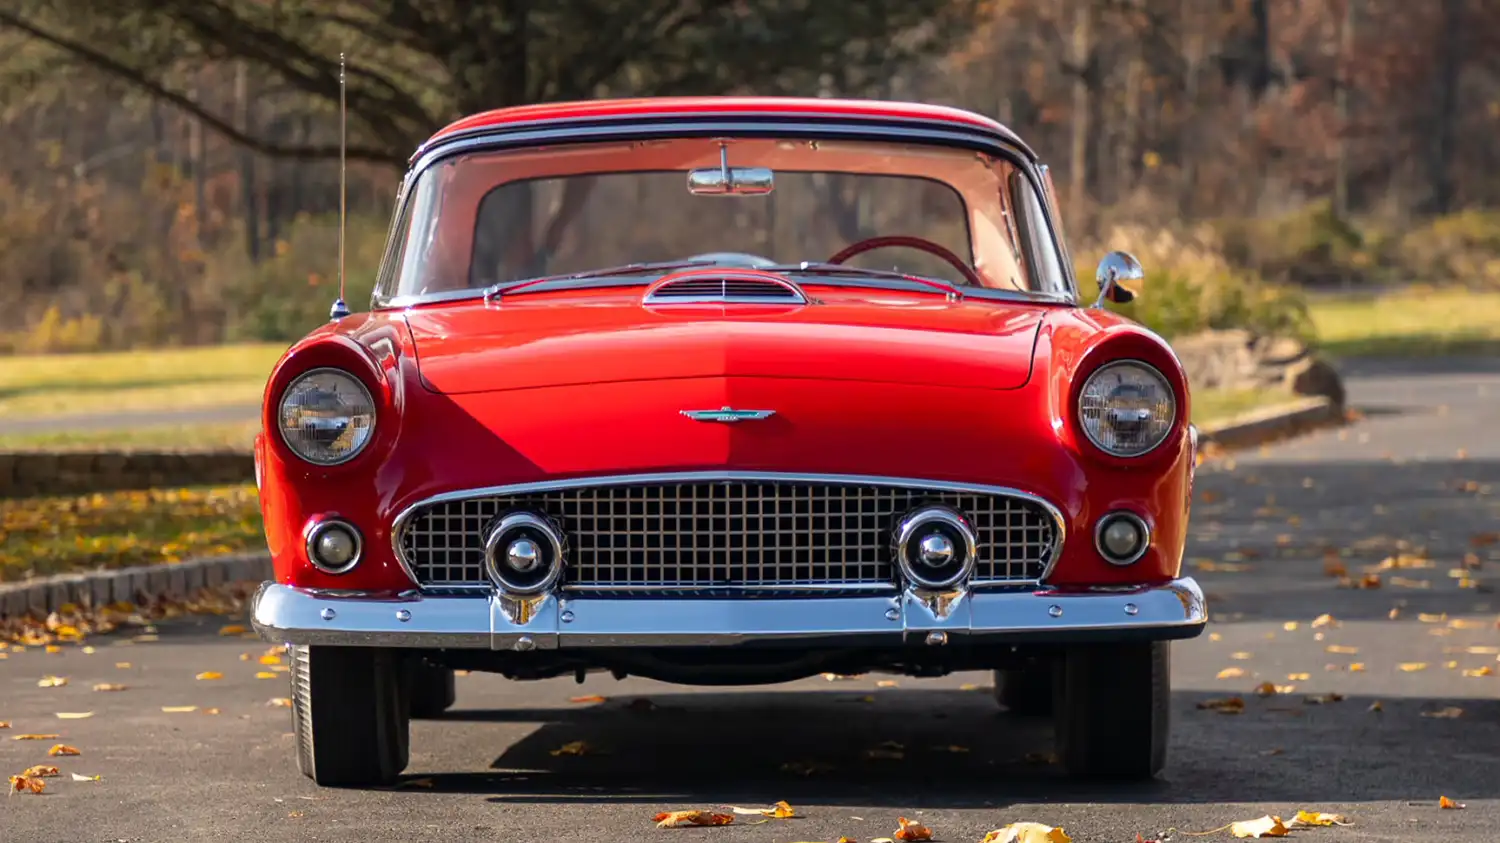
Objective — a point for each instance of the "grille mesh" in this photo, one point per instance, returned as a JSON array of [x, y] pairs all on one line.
[[727, 533]]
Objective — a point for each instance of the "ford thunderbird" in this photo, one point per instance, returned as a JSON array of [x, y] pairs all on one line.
[[728, 391]]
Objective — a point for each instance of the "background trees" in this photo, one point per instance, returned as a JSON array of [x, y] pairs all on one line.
[[165, 165]]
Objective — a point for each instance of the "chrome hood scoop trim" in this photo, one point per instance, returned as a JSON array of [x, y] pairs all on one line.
[[719, 286]]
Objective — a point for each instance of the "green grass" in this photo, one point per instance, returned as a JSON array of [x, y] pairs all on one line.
[[62, 384], [1211, 406], [1416, 322], [236, 436], [42, 536]]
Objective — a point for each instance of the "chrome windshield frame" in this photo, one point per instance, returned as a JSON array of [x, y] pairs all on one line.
[[667, 127]]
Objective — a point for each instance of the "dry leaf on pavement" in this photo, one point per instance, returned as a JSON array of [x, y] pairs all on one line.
[[1411, 667], [677, 819], [63, 749], [1271, 689], [109, 686], [1224, 705], [1317, 818], [573, 748], [74, 715], [264, 674], [591, 698], [887, 683], [179, 709], [26, 784], [781, 811], [35, 737], [1267, 826], [1445, 802], [52, 682], [270, 658], [82, 778], [1324, 620], [279, 702], [1340, 648], [1027, 832], [1480, 671], [1231, 673], [912, 831], [232, 629], [40, 771], [209, 675], [1240, 656], [1448, 713]]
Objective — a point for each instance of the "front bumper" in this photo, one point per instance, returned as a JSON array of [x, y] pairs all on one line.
[[284, 614]]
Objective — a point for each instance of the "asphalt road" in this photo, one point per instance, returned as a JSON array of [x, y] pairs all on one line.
[[129, 419], [1423, 467]]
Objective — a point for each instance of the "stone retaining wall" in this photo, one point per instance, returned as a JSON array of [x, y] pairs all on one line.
[[40, 473], [1241, 359]]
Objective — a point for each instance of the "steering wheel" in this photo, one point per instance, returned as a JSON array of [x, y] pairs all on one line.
[[919, 243]]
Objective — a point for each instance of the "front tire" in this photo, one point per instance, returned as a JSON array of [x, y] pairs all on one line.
[[1113, 710], [350, 715], [1027, 692]]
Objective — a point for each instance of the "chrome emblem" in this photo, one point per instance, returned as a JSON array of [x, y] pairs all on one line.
[[727, 415]]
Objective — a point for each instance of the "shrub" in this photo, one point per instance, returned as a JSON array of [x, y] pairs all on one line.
[[1310, 246], [1462, 248], [1191, 286]]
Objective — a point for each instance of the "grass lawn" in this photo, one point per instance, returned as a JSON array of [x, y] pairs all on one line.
[[61, 384], [42, 536], [1419, 321], [1216, 405], [233, 435]]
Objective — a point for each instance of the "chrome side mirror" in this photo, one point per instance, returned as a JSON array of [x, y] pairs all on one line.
[[1119, 276]]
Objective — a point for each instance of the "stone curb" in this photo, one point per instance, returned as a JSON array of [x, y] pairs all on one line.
[[1258, 427], [143, 582]]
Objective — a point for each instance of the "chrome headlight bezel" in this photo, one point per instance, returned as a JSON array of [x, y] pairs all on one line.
[[358, 386], [1166, 427]]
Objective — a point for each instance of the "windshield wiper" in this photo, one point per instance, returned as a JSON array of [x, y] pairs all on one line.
[[504, 287], [840, 269]]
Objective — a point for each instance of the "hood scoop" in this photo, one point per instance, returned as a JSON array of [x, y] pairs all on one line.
[[717, 286]]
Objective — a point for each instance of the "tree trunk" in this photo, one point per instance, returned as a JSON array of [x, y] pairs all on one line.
[[249, 186], [1078, 161], [1343, 106], [1450, 65]]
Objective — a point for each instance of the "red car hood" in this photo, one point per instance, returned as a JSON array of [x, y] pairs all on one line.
[[604, 336]]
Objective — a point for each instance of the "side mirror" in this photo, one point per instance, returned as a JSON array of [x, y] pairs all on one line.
[[1119, 276]]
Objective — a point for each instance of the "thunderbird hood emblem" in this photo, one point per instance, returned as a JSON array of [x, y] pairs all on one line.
[[727, 415]]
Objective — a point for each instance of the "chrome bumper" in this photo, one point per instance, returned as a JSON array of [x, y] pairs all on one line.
[[284, 614]]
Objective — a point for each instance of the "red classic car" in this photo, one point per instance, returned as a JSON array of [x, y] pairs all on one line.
[[728, 391]]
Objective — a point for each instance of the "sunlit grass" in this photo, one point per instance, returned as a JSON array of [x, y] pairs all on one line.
[[1211, 406], [41, 536], [1420, 321], [165, 380], [236, 436]]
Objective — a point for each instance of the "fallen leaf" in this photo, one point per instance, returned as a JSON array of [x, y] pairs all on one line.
[[887, 683], [209, 675], [270, 659], [1356, 667], [1267, 826], [109, 686], [210, 711], [781, 811], [1324, 620], [1426, 618], [1240, 656], [678, 819], [1224, 705], [74, 715], [122, 665], [26, 784], [1376, 706], [1447, 713], [52, 682], [178, 709], [232, 629], [1410, 583], [63, 749], [79, 778], [967, 686], [1231, 673], [40, 771], [4, 724], [1465, 623], [573, 748], [1299, 677], [1367, 581], [265, 674], [1027, 832], [1341, 648], [911, 831], [35, 737], [1290, 626], [1482, 651], [837, 677], [592, 698], [1317, 818], [1412, 667], [1480, 671], [279, 702], [1445, 802], [1270, 689]]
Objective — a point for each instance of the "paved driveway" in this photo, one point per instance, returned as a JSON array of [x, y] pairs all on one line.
[[1422, 469]]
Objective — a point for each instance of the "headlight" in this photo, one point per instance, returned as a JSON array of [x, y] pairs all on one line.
[[327, 416], [1126, 408]]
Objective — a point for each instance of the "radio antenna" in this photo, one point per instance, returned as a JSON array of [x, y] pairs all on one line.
[[340, 309]]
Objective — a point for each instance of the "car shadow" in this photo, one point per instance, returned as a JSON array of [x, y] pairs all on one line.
[[958, 749]]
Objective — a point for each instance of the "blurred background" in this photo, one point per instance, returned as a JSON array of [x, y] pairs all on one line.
[[1317, 178]]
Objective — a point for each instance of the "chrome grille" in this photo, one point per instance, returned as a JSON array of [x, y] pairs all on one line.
[[741, 533]]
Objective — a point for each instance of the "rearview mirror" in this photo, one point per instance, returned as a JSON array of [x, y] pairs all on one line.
[[731, 181], [1119, 276]]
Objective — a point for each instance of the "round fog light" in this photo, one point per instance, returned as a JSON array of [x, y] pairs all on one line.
[[1122, 538], [333, 546], [524, 553]]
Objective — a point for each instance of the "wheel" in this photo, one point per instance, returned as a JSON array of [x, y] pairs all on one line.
[[1113, 710], [349, 711], [430, 688], [1027, 692]]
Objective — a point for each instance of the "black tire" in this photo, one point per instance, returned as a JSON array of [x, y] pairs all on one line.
[[1113, 710], [349, 713], [430, 688], [1027, 692]]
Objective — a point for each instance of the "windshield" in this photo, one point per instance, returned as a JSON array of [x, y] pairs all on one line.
[[486, 218]]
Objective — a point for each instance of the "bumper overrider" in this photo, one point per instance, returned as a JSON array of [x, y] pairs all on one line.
[[499, 621]]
